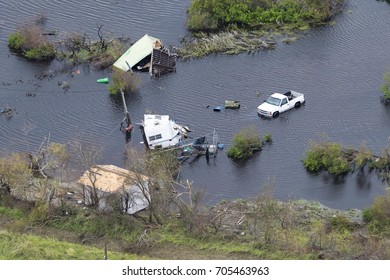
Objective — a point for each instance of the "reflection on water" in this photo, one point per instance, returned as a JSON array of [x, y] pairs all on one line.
[[339, 68]]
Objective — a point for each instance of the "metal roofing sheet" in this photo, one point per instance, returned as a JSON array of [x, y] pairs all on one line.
[[138, 51]]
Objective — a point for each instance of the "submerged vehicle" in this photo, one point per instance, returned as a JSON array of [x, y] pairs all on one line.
[[278, 103]]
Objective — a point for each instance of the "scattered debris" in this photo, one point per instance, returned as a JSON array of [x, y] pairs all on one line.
[[65, 86], [194, 148], [6, 83], [46, 74], [7, 112], [232, 104]]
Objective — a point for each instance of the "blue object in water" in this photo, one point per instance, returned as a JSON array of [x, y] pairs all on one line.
[[220, 146], [217, 108]]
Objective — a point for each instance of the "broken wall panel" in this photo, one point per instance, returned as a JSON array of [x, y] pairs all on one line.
[[162, 62]]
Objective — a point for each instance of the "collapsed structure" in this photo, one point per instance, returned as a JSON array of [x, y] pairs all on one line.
[[147, 54]]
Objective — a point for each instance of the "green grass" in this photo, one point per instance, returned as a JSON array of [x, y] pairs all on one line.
[[12, 212], [99, 224], [244, 246], [29, 247]]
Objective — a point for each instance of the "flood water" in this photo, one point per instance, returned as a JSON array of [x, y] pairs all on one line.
[[339, 68]]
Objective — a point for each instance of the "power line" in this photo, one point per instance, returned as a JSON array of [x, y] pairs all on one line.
[[46, 91]]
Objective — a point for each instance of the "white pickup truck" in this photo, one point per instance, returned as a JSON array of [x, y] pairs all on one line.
[[278, 103]]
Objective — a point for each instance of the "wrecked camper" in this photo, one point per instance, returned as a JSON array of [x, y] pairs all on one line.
[[147, 54]]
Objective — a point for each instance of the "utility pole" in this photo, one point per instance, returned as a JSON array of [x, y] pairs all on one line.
[[129, 126]]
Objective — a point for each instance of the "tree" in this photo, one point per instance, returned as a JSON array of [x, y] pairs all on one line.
[[153, 173], [15, 175], [85, 156], [266, 214], [126, 81]]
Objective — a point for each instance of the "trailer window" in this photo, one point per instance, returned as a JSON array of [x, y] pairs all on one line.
[[155, 137]]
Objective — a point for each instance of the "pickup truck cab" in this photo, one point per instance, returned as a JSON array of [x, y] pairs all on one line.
[[278, 103]]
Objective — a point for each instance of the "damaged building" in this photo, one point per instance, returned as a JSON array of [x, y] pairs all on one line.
[[148, 54]]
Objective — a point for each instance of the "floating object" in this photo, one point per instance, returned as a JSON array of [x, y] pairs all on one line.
[[218, 108], [232, 104], [220, 146], [103, 81], [212, 149]]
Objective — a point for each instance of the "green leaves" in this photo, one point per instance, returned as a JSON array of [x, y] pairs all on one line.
[[386, 86], [244, 143], [327, 156], [216, 14]]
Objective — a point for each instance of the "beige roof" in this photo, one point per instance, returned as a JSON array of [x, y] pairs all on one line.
[[109, 178], [141, 49]]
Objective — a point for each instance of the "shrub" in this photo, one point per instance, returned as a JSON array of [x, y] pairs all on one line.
[[206, 15], [15, 173], [29, 41], [267, 138], [362, 157], [244, 143], [341, 224], [327, 156], [378, 214], [127, 81], [16, 41], [386, 87], [43, 52], [381, 163]]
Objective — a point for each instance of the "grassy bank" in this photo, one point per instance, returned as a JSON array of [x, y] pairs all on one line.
[[262, 228], [231, 27], [220, 14], [33, 247]]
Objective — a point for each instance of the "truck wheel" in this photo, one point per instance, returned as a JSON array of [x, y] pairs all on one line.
[[275, 114], [297, 105]]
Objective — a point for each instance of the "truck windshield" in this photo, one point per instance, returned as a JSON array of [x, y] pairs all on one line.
[[273, 101]]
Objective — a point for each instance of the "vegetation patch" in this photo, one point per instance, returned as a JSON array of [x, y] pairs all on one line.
[[30, 247], [227, 42], [386, 88], [328, 156], [213, 15], [126, 81], [231, 27], [78, 48], [338, 160], [245, 143], [176, 222], [29, 40], [377, 216]]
